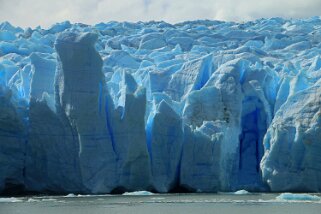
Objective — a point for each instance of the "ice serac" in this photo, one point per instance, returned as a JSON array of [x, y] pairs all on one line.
[[200, 167], [43, 75], [292, 143], [192, 76], [12, 145], [200, 163], [165, 139], [127, 125], [51, 155], [80, 98]]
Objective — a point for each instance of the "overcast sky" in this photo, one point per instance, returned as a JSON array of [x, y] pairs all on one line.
[[47, 12]]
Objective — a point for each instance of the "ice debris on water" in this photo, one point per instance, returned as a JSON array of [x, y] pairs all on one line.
[[138, 193], [10, 200], [241, 192], [298, 197]]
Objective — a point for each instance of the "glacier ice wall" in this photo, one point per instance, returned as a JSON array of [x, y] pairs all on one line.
[[197, 106]]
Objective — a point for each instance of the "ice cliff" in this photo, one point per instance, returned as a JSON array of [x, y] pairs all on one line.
[[199, 106]]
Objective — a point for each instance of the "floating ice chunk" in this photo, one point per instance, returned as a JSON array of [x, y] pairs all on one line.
[[70, 195], [138, 193], [241, 192], [33, 200], [298, 197], [10, 200], [49, 199]]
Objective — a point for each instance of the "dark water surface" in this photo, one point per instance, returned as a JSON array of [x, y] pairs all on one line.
[[158, 203]]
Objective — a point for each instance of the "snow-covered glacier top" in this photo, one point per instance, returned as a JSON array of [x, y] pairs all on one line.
[[199, 106]]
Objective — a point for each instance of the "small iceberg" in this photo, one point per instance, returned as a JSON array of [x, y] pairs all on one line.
[[298, 197], [12, 199], [70, 195], [33, 200], [241, 192], [139, 193], [49, 199]]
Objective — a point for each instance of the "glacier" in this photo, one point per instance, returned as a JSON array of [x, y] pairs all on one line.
[[198, 106]]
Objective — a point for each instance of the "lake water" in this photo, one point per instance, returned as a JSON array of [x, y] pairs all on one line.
[[159, 203]]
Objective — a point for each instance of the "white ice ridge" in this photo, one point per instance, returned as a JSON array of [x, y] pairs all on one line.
[[200, 106]]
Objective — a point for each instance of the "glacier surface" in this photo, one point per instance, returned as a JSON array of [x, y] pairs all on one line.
[[200, 106]]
